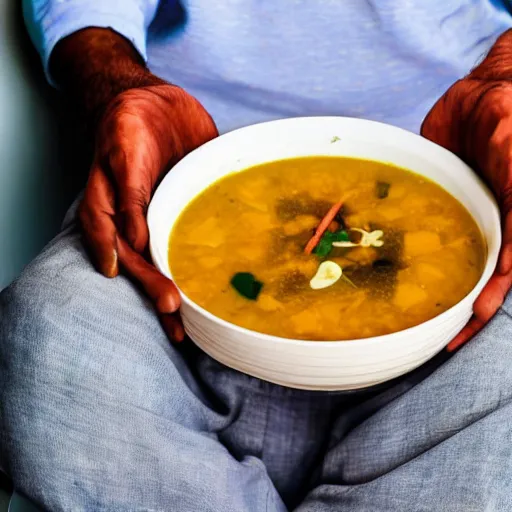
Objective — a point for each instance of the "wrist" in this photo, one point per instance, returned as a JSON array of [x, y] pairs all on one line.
[[94, 65], [497, 65]]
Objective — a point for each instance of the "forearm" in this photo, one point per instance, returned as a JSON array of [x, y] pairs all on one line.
[[93, 65]]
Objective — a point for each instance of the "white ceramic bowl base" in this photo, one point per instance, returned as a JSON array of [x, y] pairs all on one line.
[[338, 365]]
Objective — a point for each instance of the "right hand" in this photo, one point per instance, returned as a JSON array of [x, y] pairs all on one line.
[[143, 132], [142, 126]]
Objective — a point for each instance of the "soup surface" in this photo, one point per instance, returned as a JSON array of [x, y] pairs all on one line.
[[398, 251]]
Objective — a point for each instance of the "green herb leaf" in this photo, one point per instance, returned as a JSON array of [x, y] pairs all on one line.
[[335, 139], [324, 247], [382, 189], [340, 236], [246, 285]]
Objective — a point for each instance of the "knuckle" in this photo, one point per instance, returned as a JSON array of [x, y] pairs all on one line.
[[135, 198]]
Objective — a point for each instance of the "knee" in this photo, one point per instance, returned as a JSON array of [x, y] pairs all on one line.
[[44, 313], [28, 320], [64, 326]]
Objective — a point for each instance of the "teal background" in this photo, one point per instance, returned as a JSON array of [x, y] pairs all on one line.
[[42, 166], [39, 174]]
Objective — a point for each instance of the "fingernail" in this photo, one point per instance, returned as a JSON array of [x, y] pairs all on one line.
[[178, 333], [112, 269]]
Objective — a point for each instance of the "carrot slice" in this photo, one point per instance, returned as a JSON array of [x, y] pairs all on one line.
[[322, 227]]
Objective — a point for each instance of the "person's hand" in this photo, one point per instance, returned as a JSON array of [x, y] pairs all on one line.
[[143, 132], [142, 126], [473, 119]]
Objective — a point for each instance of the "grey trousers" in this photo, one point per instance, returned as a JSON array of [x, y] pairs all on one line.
[[98, 411]]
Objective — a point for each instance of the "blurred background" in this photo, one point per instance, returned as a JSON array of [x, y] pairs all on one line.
[[41, 159]]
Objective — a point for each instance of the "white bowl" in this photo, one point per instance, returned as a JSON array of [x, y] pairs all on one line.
[[324, 365]]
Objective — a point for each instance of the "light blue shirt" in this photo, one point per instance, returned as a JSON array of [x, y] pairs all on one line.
[[254, 60]]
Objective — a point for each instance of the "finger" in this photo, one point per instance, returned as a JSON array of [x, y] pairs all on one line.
[[492, 296], [133, 194], [133, 208], [505, 260], [160, 290], [498, 163], [173, 327], [485, 307], [96, 216], [469, 330]]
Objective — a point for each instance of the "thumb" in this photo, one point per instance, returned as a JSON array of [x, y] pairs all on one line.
[[162, 291]]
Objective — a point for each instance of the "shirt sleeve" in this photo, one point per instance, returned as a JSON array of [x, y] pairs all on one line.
[[48, 21]]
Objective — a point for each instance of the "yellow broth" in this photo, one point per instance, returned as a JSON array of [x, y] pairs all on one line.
[[258, 221]]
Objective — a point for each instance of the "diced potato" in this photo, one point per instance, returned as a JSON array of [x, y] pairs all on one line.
[[255, 222], [363, 255], [406, 275], [252, 196], [304, 322], [257, 205], [427, 272], [360, 220], [209, 262], [414, 203], [267, 303], [357, 299], [442, 223], [343, 262], [209, 234], [251, 252], [418, 243], [363, 193], [391, 213], [396, 191], [308, 267], [459, 243], [408, 295], [332, 311], [300, 224]]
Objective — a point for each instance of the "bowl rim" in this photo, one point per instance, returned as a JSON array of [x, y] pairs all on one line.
[[489, 265]]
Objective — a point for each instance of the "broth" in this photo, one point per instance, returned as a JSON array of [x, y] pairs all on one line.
[[407, 250]]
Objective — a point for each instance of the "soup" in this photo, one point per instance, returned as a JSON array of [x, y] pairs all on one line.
[[326, 248]]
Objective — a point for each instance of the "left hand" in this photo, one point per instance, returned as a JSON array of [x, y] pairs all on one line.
[[473, 119]]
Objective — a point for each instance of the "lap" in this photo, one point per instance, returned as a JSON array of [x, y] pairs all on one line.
[[98, 407], [438, 441], [99, 410]]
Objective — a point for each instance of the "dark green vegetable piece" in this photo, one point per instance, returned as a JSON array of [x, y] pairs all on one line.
[[246, 285], [340, 236], [324, 247], [382, 189]]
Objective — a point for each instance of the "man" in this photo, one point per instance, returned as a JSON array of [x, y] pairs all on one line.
[[101, 412]]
